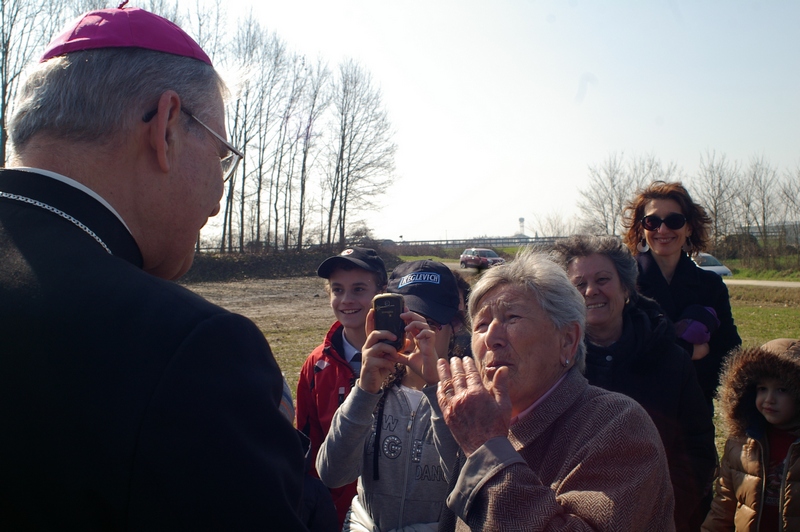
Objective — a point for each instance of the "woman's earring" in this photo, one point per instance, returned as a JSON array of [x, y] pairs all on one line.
[[687, 246], [566, 363], [642, 246]]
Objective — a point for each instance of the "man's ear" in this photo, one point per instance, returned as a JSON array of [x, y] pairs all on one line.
[[163, 128]]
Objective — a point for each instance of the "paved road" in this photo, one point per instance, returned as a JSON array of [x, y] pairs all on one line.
[[780, 284]]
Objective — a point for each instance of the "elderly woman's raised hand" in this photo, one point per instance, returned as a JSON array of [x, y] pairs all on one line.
[[475, 411]]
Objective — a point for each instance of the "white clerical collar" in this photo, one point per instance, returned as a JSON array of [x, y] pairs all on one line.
[[71, 182]]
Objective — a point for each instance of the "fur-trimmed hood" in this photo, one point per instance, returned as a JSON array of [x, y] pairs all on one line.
[[778, 359]]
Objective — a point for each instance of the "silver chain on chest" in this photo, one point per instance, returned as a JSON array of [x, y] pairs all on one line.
[[52, 209]]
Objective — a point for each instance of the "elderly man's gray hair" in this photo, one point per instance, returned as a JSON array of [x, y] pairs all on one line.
[[546, 282], [91, 95]]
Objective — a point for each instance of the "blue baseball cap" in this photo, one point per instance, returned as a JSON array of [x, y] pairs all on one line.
[[428, 287]]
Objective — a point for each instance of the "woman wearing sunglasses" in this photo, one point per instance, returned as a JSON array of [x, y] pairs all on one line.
[[664, 228]]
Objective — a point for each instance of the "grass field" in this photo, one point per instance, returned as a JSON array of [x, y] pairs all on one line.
[[785, 268], [758, 324], [764, 313]]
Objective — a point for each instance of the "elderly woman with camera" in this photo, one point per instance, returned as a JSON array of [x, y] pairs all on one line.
[[631, 349], [539, 447]]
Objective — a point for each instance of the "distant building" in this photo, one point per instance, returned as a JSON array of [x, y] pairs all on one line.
[[789, 232]]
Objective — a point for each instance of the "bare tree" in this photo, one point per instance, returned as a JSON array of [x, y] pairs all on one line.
[[554, 224], [614, 183], [78, 7], [206, 22], [718, 182], [604, 199], [244, 116], [25, 27], [164, 8], [315, 103], [279, 113], [790, 197], [759, 195], [286, 143], [271, 78], [644, 169], [362, 155]]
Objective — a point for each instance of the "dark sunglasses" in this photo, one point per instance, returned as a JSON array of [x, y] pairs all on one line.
[[673, 221]]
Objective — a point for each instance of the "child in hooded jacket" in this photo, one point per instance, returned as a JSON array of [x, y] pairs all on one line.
[[758, 488]]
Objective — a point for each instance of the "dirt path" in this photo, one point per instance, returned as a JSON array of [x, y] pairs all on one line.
[[287, 300]]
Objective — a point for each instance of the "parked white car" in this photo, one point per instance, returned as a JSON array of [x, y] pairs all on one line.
[[712, 264]]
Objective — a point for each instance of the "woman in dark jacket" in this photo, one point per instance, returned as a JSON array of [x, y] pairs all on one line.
[[664, 228], [631, 349]]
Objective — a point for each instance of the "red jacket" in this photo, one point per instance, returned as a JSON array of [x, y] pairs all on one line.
[[325, 380]]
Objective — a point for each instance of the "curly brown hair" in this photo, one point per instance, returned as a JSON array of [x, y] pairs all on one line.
[[695, 214]]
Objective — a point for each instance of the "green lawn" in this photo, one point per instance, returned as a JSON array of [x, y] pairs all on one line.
[[759, 324], [765, 313], [742, 272]]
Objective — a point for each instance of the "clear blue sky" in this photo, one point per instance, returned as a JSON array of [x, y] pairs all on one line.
[[500, 106]]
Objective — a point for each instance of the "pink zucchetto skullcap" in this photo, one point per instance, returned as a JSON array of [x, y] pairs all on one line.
[[124, 28]]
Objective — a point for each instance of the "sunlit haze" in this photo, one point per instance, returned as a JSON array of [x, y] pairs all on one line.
[[499, 107]]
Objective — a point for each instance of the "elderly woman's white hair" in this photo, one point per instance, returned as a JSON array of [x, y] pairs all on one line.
[[547, 283]]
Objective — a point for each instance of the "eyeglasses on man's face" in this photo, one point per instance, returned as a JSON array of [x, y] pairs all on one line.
[[674, 221], [229, 162]]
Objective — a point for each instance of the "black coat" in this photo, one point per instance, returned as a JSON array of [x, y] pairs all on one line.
[[127, 402], [693, 286], [647, 365]]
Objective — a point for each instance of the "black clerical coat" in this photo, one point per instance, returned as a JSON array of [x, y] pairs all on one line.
[[126, 401]]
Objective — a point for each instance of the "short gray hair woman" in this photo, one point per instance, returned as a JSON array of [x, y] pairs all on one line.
[[542, 448], [631, 349], [544, 282]]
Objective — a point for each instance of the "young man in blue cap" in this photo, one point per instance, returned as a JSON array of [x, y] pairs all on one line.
[[354, 277]]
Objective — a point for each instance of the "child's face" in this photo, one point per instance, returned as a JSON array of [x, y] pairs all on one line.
[[351, 296], [775, 402]]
